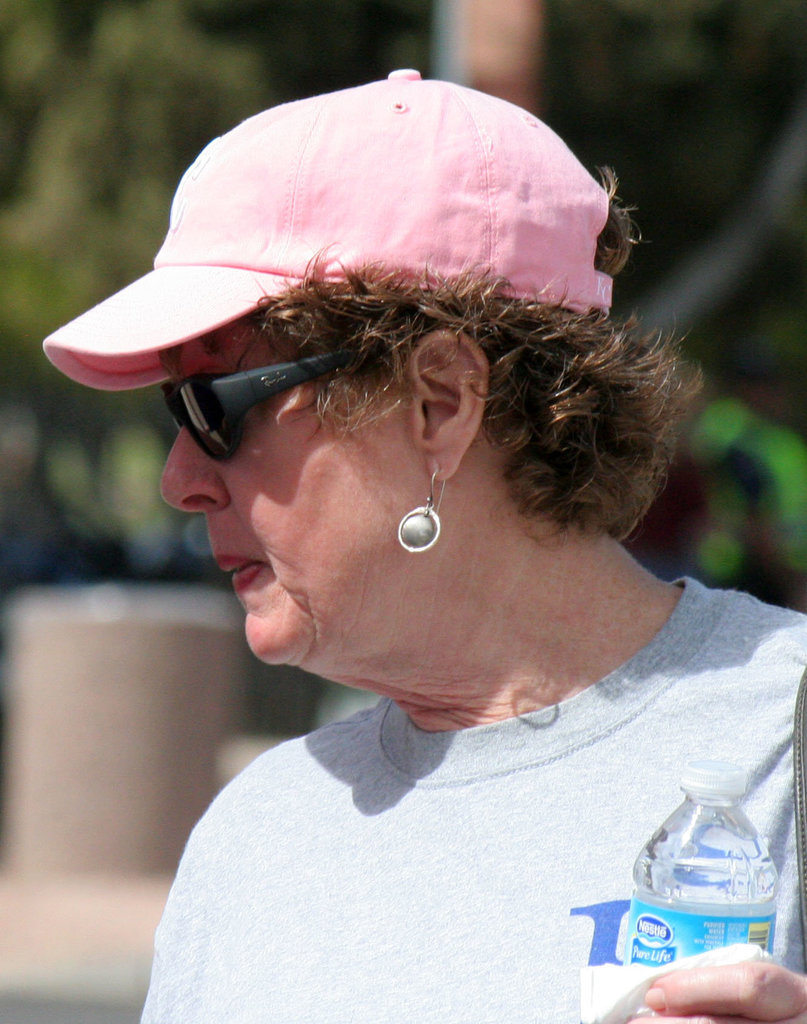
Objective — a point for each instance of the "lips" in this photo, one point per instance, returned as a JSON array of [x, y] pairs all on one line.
[[243, 570], [244, 576], [233, 563]]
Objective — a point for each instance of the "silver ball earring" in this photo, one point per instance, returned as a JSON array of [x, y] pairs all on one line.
[[420, 528]]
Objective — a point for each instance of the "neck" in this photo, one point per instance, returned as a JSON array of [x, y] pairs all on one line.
[[536, 624]]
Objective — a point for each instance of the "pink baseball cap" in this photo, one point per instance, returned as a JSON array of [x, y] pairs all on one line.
[[422, 177]]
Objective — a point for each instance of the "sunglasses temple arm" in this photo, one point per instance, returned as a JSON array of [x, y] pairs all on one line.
[[239, 391]]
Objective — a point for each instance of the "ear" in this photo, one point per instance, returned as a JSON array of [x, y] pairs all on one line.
[[449, 378]]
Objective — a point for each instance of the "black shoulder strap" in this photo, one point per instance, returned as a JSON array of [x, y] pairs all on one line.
[[800, 793]]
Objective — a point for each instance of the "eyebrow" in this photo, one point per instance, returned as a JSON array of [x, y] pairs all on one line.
[[213, 343]]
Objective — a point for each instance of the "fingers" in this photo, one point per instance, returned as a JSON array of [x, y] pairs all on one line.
[[751, 991]]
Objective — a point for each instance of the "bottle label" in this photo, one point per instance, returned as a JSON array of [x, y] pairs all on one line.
[[657, 935]]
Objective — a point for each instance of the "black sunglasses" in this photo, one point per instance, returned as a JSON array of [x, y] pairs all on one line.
[[213, 408]]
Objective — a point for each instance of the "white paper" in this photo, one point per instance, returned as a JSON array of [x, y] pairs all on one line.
[[614, 994]]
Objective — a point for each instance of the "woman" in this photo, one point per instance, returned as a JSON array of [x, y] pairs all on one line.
[[417, 438]]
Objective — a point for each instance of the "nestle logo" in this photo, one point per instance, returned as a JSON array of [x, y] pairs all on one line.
[[654, 929]]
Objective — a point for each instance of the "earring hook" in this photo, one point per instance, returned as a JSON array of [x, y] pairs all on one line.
[[430, 506]]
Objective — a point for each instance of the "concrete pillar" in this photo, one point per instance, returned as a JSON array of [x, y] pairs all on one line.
[[117, 700], [504, 49], [492, 46]]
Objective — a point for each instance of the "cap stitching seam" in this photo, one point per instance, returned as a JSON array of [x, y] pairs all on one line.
[[487, 179], [295, 186]]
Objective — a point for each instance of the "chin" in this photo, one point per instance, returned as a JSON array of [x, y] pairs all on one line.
[[276, 643]]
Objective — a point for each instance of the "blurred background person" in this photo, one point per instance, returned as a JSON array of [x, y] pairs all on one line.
[[754, 468]]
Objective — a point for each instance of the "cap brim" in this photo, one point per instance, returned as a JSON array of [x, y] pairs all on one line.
[[116, 345]]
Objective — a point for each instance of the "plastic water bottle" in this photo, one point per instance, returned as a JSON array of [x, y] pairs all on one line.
[[705, 878]]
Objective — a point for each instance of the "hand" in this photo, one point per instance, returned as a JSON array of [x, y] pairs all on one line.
[[755, 992]]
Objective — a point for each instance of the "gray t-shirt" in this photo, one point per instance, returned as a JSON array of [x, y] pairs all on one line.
[[374, 872]]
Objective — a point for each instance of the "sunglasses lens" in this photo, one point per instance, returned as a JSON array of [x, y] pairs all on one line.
[[205, 418], [213, 407]]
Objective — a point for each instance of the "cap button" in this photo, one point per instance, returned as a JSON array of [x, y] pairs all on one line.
[[405, 74]]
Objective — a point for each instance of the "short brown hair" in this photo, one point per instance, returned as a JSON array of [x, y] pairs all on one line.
[[585, 407]]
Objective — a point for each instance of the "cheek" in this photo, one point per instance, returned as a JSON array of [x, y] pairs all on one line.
[[325, 514]]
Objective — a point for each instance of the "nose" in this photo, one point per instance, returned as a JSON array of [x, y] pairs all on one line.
[[191, 480]]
